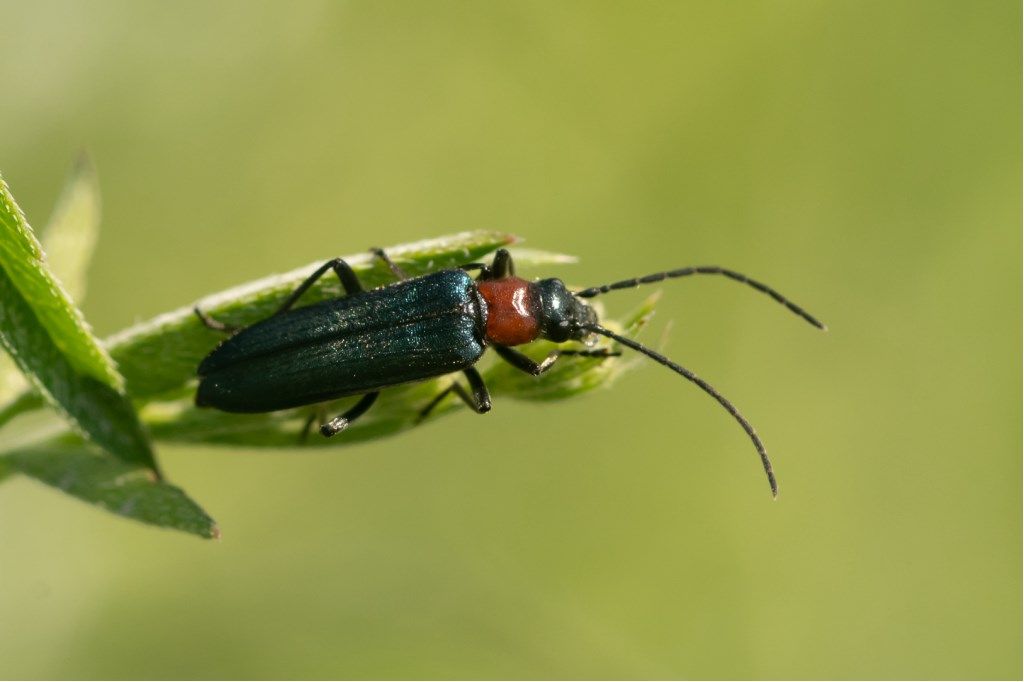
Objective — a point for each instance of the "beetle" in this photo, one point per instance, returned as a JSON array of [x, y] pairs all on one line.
[[418, 328]]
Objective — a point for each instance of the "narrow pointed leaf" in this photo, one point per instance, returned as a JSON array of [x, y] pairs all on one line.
[[110, 484], [21, 257], [50, 342], [68, 240]]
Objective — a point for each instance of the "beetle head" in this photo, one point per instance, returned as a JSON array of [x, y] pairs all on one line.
[[563, 316]]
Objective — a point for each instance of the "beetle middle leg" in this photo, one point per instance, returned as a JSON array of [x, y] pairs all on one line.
[[318, 415], [530, 366], [341, 422], [479, 401]]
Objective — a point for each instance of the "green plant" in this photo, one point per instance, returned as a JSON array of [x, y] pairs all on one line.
[[118, 395]]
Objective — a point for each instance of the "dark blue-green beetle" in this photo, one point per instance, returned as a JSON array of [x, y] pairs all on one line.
[[415, 329]]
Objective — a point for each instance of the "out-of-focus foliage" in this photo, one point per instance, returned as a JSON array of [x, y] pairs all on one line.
[[864, 158]]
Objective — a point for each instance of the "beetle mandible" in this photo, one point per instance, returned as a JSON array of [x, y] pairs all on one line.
[[418, 328]]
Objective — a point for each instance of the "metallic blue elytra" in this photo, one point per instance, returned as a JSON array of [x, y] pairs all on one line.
[[405, 332]]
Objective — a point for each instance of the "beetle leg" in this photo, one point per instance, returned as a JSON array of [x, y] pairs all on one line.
[[479, 401], [596, 353], [318, 415], [395, 270], [341, 422], [215, 325], [502, 265], [304, 436], [485, 270], [345, 273], [434, 402], [524, 363]]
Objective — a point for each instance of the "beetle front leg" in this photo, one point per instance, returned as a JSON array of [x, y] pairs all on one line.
[[524, 363], [596, 353], [341, 422]]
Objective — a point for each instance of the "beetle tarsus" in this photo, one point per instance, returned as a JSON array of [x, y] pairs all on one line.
[[334, 427], [341, 422]]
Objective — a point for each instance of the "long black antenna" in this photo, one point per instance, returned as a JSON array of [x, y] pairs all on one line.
[[702, 270], [707, 388]]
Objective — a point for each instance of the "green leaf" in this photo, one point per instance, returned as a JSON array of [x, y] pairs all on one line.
[[22, 259], [68, 240], [52, 345], [113, 485]]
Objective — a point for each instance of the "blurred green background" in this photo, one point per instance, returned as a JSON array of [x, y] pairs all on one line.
[[864, 157]]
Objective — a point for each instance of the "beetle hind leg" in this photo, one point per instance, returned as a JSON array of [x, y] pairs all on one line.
[[342, 421], [318, 415]]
